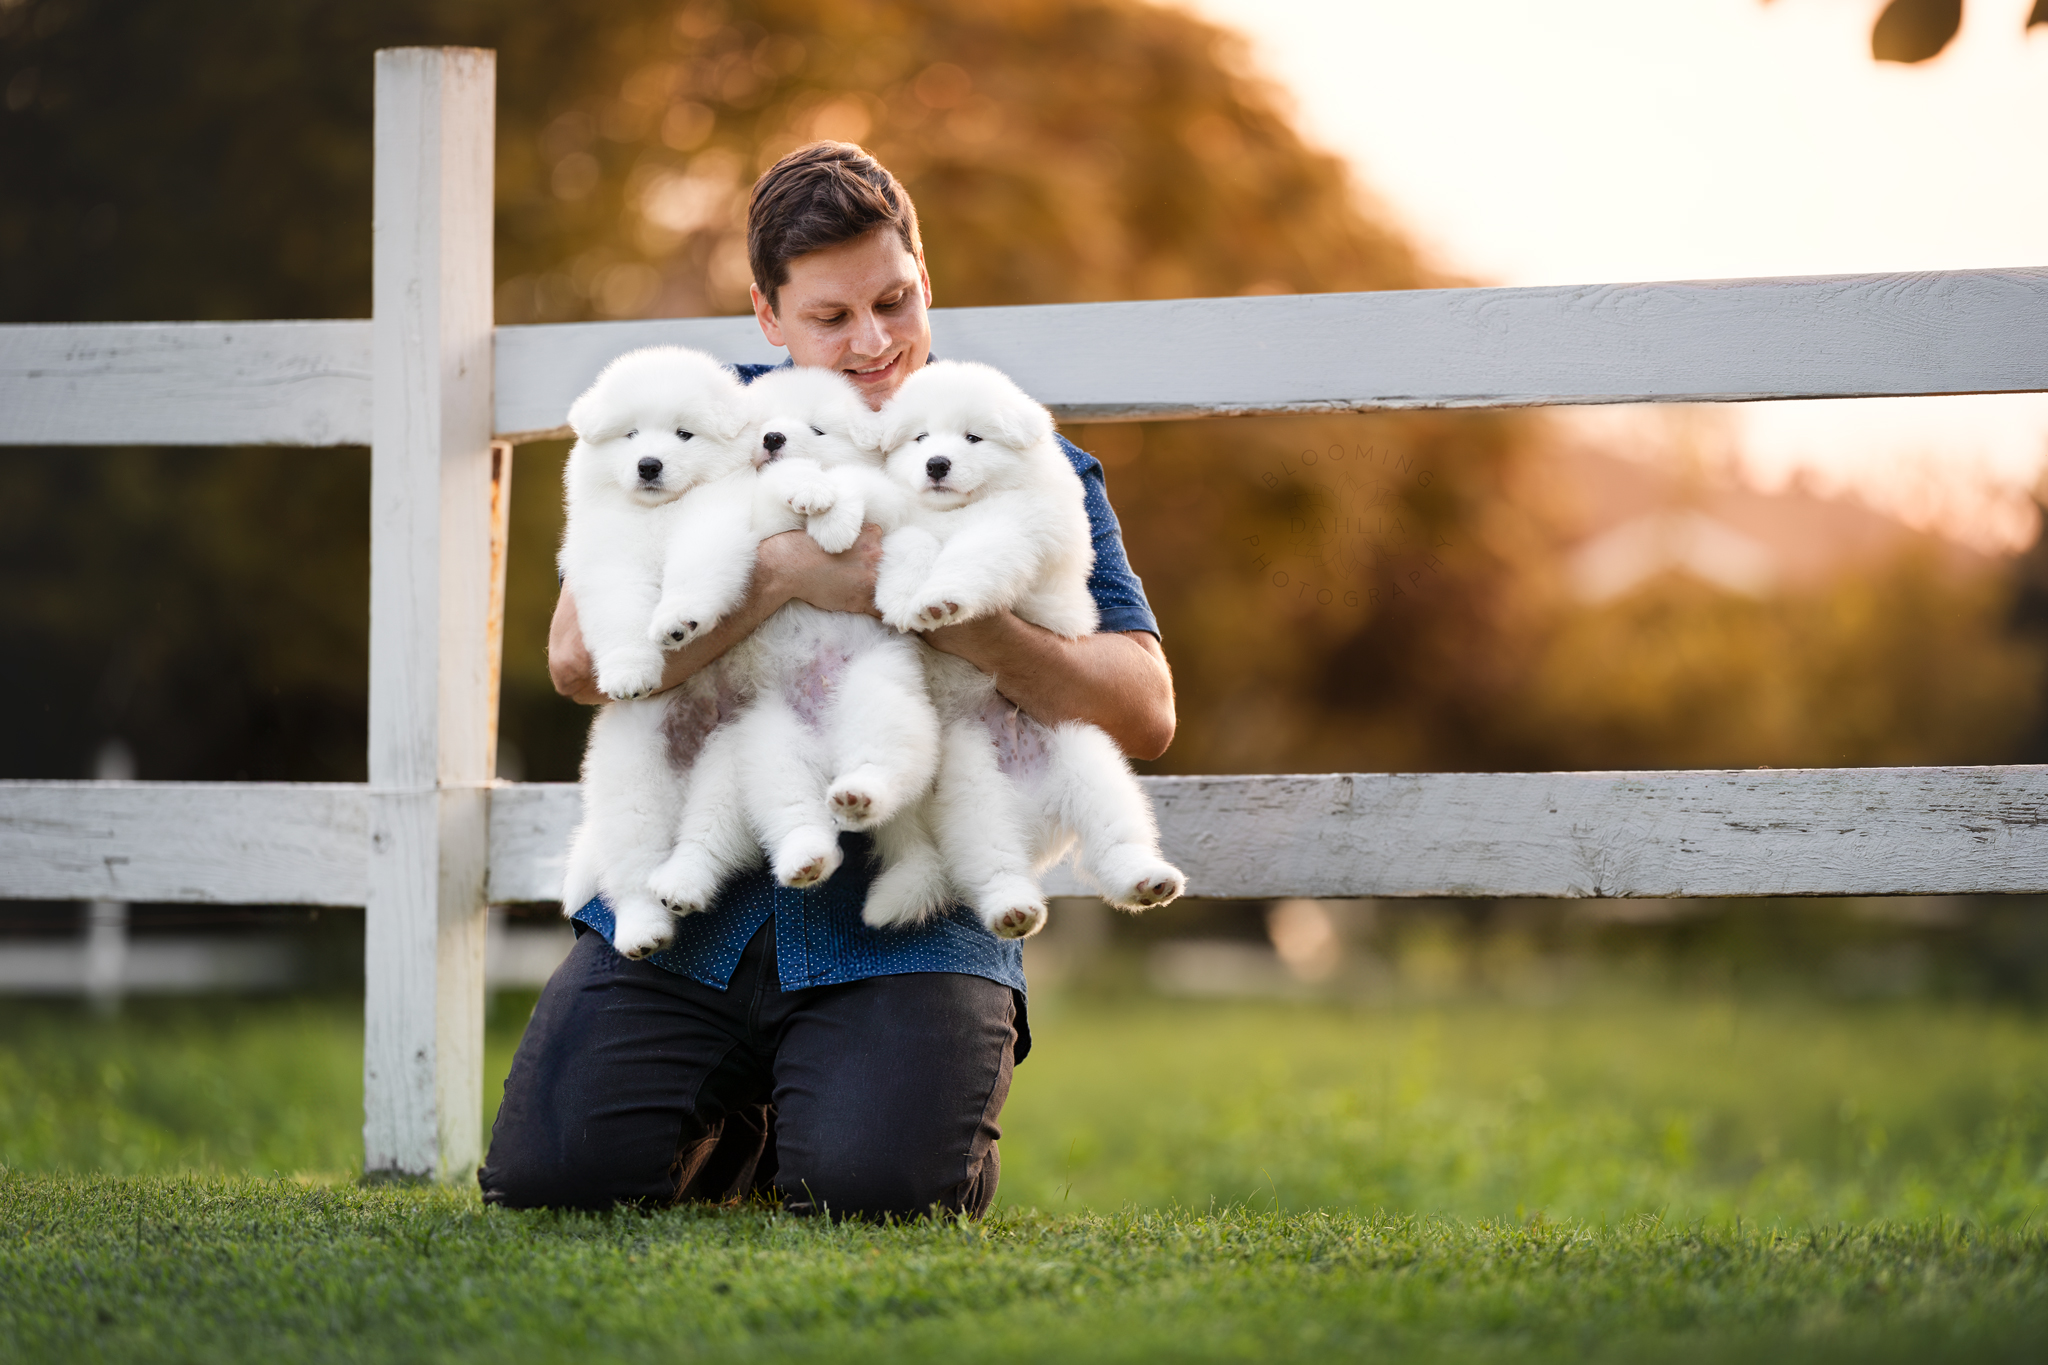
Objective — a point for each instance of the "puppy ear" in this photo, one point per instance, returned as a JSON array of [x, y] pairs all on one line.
[[1020, 423], [734, 418], [893, 426], [864, 429], [583, 414]]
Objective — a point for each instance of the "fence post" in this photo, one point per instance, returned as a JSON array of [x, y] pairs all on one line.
[[433, 646]]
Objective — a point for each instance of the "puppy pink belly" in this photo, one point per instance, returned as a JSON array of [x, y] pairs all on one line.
[[1023, 748], [697, 708], [809, 688]]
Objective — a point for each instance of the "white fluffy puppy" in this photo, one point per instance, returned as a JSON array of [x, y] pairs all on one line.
[[836, 732], [655, 424], [660, 445], [997, 520]]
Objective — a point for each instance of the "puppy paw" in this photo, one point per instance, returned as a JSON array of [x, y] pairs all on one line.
[[851, 807], [1019, 921], [899, 608], [641, 928], [809, 495], [685, 883], [675, 624], [1012, 907], [834, 533], [1163, 885], [807, 858], [917, 610], [932, 615], [1141, 881], [625, 674], [856, 799]]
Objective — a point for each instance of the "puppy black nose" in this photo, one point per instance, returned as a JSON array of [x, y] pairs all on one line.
[[650, 469], [773, 440], [937, 466]]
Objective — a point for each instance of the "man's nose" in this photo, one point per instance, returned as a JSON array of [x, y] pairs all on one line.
[[871, 338], [773, 440], [937, 466], [650, 469]]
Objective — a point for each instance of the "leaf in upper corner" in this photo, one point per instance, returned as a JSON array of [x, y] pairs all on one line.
[[1914, 30], [2040, 14]]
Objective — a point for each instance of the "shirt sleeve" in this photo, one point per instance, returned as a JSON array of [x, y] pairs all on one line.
[[1119, 596]]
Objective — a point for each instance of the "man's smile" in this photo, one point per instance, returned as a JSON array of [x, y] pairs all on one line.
[[879, 369]]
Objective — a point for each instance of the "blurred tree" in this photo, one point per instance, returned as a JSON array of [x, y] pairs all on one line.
[[1905, 666], [1348, 591]]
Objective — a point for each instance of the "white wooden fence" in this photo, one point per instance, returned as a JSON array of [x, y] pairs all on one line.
[[440, 396]]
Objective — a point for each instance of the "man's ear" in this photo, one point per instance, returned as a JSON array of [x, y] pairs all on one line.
[[764, 314]]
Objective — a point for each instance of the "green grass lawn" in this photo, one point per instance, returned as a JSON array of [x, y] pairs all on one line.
[[1693, 1175]]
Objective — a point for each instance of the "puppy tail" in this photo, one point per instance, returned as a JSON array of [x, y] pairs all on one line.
[[912, 886]]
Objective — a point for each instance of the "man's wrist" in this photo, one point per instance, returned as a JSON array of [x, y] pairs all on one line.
[[981, 642], [770, 591]]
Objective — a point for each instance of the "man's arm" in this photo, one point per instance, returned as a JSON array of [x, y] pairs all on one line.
[[1118, 681], [787, 567]]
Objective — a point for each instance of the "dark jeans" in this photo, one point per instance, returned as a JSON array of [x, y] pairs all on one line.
[[636, 1085]]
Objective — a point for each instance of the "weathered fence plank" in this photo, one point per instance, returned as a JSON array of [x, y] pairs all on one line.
[[1969, 331], [433, 639], [186, 383], [542, 369], [1780, 832], [264, 843], [306, 383]]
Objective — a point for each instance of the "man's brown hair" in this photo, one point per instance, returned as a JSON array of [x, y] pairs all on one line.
[[818, 196]]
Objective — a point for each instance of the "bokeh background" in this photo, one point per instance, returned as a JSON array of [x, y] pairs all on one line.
[[1587, 598], [1413, 591]]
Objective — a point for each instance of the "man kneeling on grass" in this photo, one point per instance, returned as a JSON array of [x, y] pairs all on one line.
[[780, 1045]]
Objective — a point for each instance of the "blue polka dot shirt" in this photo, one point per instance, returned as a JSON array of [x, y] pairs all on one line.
[[819, 937]]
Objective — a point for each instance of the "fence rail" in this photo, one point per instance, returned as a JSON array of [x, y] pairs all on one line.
[[427, 383], [1845, 336], [1776, 832]]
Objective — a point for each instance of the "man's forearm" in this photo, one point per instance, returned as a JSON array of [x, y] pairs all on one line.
[[787, 567], [1117, 681], [569, 663]]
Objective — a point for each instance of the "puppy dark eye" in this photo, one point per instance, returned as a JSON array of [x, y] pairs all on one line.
[[816, 432], [922, 434], [972, 439], [631, 434], [682, 435]]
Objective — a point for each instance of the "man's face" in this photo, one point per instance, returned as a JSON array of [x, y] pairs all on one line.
[[858, 308]]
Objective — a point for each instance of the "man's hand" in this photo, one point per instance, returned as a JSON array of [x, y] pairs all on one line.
[[787, 567], [798, 570], [569, 666], [1118, 681]]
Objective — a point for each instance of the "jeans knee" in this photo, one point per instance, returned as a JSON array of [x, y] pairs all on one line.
[[520, 1187], [529, 1180], [891, 1190]]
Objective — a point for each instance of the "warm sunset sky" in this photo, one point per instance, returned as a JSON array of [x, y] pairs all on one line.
[[1574, 141]]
